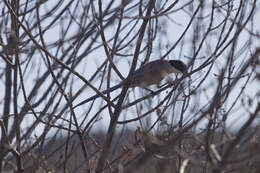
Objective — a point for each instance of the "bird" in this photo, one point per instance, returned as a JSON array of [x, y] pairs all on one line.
[[150, 73]]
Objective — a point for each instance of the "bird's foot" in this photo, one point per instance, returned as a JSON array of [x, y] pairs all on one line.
[[153, 93]]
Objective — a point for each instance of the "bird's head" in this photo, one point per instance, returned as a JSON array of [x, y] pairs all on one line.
[[178, 65]]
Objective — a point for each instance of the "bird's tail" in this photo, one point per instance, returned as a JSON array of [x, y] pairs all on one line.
[[104, 92]]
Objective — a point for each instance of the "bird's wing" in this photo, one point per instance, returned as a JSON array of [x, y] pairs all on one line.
[[146, 69], [139, 72]]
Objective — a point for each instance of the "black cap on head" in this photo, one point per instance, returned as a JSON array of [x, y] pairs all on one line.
[[179, 65]]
